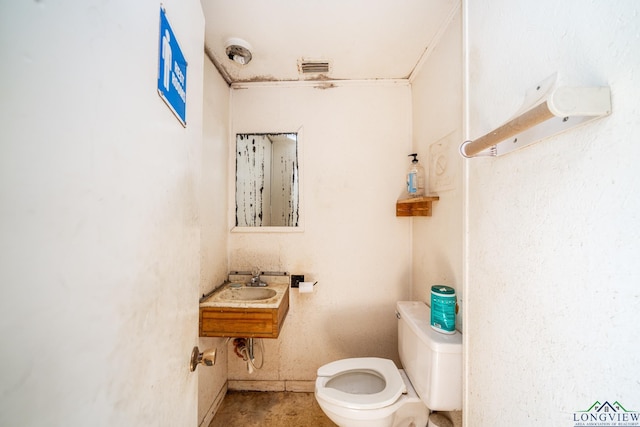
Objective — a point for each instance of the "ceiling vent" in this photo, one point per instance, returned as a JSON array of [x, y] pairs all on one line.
[[313, 67]]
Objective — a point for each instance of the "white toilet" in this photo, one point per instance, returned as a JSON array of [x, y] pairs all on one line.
[[372, 392]]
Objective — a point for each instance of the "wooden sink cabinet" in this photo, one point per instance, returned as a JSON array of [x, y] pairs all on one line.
[[248, 321]]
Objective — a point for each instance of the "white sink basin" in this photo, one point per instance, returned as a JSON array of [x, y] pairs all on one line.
[[246, 294]]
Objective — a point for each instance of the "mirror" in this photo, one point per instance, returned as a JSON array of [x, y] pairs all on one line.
[[267, 181]]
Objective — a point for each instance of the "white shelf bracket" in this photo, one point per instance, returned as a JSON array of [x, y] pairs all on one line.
[[548, 110]]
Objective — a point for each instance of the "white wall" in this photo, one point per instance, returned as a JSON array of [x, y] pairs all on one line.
[[99, 216], [354, 140], [553, 294], [436, 93], [214, 233], [437, 110]]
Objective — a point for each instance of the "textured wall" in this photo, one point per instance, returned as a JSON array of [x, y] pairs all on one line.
[[353, 145], [437, 132], [214, 233], [553, 296], [99, 216]]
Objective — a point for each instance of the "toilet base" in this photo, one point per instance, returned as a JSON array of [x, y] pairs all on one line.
[[413, 414], [407, 414], [356, 419]]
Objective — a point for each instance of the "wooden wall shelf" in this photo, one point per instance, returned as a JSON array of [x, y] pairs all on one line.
[[415, 206]]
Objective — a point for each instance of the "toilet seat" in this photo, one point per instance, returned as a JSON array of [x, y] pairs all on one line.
[[385, 368]]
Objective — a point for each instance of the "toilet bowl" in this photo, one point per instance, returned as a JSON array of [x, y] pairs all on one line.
[[368, 392], [372, 392]]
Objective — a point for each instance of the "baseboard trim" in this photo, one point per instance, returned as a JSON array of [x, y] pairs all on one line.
[[215, 405], [265, 385]]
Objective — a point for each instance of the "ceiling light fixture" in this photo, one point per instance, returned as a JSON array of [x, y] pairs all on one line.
[[238, 50]]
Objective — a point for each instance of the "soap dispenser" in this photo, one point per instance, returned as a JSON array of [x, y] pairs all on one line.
[[415, 178]]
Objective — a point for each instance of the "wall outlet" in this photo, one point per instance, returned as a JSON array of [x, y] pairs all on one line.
[[296, 279]]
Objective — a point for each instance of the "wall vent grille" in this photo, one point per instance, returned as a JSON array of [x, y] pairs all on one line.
[[314, 67]]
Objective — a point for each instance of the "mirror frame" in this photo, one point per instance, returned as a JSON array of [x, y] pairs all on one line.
[[232, 186]]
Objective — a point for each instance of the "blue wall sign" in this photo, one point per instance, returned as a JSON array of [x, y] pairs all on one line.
[[172, 71]]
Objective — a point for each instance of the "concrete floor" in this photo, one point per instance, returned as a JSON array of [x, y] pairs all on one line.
[[270, 409]]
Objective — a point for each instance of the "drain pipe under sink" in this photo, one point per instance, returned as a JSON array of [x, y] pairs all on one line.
[[244, 348]]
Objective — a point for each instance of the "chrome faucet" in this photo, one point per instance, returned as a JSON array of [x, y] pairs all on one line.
[[255, 280]]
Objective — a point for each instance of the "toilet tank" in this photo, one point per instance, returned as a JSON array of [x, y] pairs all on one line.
[[431, 359]]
